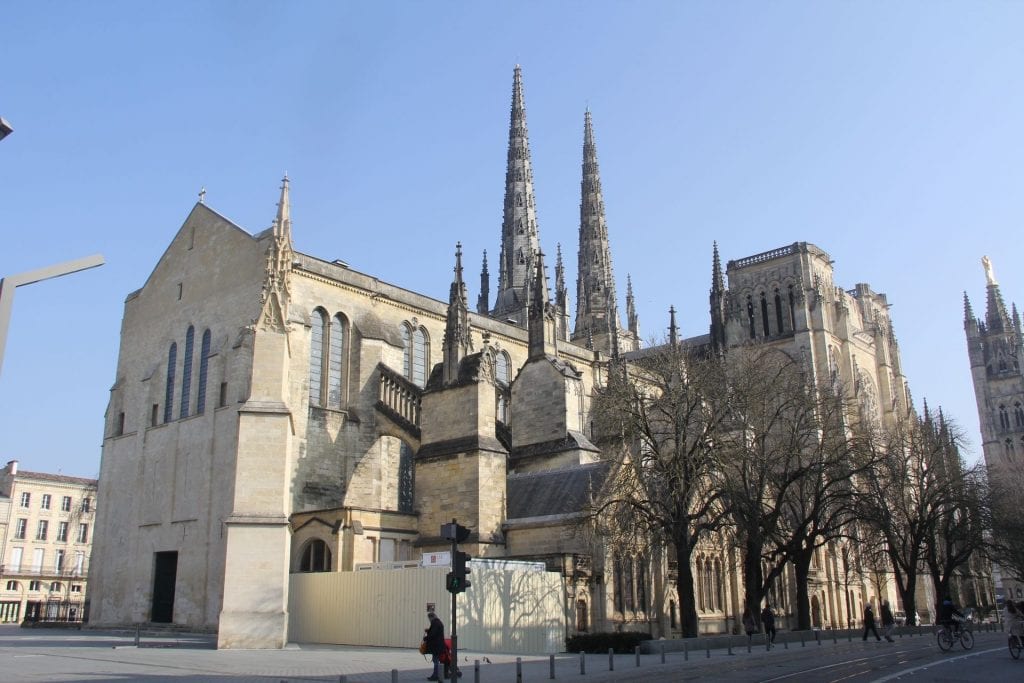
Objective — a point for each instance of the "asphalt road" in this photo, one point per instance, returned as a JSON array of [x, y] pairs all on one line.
[[49, 656]]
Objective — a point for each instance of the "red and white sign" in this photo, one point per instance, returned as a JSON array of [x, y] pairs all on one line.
[[441, 559]]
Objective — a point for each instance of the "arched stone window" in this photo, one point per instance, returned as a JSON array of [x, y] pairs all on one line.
[[186, 372], [204, 363], [1018, 414], [750, 316], [335, 364], [318, 335], [764, 315], [316, 557], [778, 312], [628, 581], [406, 478], [415, 354], [172, 362], [581, 615], [641, 583], [617, 581], [699, 584], [1004, 418]]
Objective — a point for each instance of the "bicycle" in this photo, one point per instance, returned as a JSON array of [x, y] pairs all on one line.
[[1016, 644], [948, 635]]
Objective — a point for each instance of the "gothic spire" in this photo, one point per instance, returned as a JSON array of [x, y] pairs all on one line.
[[717, 280], [519, 234], [485, 288], [284, 211], [595, 284], [541, 323], [631, 317], [968, 311], [560, 292], [456, 332], [996, 319], [673, 331], [276, 297], [718, 301]]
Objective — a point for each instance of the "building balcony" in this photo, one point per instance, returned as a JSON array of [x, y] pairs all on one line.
[[14, 571]]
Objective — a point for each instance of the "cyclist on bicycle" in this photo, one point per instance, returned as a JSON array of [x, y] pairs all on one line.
[[949, 615], [1014, 619]]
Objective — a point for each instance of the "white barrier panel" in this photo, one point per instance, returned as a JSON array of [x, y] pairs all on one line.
[[502, 611]]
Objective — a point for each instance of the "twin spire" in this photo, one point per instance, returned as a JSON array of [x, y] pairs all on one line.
[[597, 315]]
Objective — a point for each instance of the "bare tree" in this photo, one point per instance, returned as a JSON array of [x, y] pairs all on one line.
[[663, 411], [962, 518], [908, 497]]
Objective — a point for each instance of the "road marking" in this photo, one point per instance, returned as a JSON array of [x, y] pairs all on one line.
[[929, 665], [818, 668]]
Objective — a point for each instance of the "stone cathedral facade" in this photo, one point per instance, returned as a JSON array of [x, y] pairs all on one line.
[[274, 412]]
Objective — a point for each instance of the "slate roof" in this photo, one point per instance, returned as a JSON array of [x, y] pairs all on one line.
[[554, 492], [56, 478]]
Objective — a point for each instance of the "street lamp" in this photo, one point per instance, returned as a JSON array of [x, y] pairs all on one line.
[[5, 128], [8, 285]]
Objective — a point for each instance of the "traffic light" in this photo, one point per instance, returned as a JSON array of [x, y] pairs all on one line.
[[456, 581]]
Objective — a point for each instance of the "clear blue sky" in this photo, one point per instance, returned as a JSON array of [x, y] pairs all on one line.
[[889, 134]]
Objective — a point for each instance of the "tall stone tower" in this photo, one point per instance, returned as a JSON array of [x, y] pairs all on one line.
[[597, 313], [995, 351], [520, 239]]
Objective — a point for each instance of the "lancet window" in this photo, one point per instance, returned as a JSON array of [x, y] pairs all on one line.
[[186, 372], [172, 362]]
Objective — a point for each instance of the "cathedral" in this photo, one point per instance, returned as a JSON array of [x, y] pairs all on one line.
[[276, 413]]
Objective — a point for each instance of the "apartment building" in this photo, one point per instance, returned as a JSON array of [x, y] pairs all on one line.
[[47, 523]]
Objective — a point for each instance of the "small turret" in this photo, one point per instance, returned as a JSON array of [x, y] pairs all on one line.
[[632, 320], [482, 305], [457, 342], [561, 296], [673, 331], [717, 300], [542, 319]]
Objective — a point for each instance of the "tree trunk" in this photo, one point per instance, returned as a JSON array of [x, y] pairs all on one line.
[[907, 586], [684, 586], [753, 578], [802, 570]]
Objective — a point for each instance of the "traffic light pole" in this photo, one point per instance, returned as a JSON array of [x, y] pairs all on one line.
[[455, 635]]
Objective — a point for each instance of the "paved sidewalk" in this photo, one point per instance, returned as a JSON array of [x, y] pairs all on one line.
[[53, 655]]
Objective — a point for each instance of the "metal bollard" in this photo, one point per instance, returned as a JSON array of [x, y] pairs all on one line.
[[637, 651], [519, 670], [394, 676], [817, 637], [802, 643], [342, 678], [834, 641], [849, 636], [476, 671], [686, 652], [583, 663], [663, 652], [785, 643], [551, 667], [708, 645], [611, 659], [138, 628]]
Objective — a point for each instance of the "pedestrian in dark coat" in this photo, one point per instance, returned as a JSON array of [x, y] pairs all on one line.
[[869, 624], [434, 638], [888, 621], [768, 619]]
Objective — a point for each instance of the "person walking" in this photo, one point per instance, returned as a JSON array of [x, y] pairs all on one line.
[[768, 619], [888, 621], [749, 624], [869, 624], [434, 638]]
